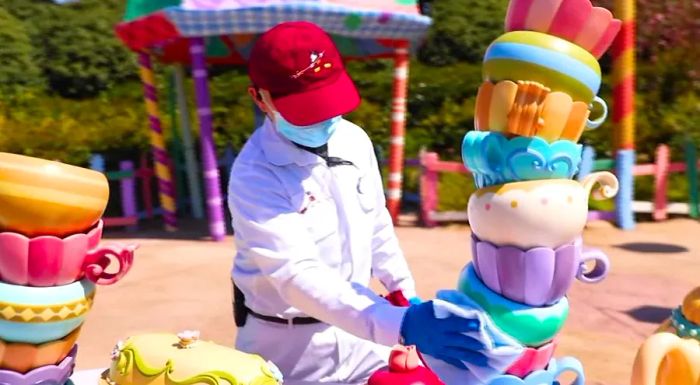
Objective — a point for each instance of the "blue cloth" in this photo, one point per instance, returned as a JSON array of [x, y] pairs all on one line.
[[415, 301], [499, 350]]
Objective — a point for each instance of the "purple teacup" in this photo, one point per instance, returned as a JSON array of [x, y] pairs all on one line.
[[537, 277]]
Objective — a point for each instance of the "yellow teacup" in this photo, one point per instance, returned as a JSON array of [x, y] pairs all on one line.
[[666, 359], [42, 197], [530, 109]]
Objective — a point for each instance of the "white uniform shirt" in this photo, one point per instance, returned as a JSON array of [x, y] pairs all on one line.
[[310, 237]]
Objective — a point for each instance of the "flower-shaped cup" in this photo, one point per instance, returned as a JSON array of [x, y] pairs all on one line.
[[494, 159], [51, 261], [578, 21], [537, 277], [527, 108], [45, 375]]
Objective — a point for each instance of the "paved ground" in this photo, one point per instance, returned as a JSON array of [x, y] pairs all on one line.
[[184, 284]]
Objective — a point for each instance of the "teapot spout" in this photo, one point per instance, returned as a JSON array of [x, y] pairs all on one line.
[[609, 186]]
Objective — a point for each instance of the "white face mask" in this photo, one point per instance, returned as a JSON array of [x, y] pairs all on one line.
[[315, 135]]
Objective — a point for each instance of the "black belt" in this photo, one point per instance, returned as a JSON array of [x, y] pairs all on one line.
[[284, 321]]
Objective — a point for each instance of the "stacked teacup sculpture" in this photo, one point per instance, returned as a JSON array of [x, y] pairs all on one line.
[[50, 262], [540, 84]]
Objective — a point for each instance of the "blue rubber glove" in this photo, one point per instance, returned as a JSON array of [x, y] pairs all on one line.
[[415, 301], [442, 338]]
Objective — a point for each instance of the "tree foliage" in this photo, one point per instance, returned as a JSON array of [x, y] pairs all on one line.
[[19, 70]]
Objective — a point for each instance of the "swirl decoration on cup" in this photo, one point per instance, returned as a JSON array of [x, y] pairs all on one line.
[[100, 260], [494, 159]]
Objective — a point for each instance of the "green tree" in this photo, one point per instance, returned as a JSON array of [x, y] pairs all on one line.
[[462, 30], [18, 70], [81, 56]]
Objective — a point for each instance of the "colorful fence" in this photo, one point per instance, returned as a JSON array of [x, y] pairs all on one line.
[[432, 167], [136, 187]]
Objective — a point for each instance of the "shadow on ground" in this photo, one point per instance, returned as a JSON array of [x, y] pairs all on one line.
[[188, 230], [651, 247], [650, 314]]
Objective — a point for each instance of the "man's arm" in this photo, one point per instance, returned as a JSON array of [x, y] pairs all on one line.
[[271, 232], [388, 261]]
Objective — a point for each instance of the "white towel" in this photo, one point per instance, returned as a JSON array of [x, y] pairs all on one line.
[[500, 349]]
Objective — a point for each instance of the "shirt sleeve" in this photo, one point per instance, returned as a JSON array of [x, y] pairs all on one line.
[[273, 234], [388, 262]]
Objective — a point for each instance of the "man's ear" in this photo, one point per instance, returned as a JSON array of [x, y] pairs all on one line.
[[257, 98]]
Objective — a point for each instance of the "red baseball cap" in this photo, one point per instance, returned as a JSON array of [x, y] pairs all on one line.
[[301, 67]]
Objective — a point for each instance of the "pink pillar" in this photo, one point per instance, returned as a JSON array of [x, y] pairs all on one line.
[[663, 155], [398, 128], [428, 188]]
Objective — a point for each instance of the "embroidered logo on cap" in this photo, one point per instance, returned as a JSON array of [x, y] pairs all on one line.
[[315, 58]]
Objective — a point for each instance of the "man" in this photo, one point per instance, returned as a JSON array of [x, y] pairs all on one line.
[[311, 227]]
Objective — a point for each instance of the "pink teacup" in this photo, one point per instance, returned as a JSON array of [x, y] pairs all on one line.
[[52, 261]]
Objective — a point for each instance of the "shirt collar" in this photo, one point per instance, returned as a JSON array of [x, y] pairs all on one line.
[[280, 151]]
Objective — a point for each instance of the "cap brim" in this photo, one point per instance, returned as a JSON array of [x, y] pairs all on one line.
[[314, 106]]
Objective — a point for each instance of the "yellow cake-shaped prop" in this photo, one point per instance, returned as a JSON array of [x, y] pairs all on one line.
[[183, 359]]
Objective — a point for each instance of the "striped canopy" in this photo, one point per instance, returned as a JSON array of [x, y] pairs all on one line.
[[361, 28]]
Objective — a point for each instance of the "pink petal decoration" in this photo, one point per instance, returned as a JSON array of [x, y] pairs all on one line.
[[571, 18], [594, 29], [533, 359], [13, 249], [44, 260], [607, 39], [517, 14], [542, 14], [537, 277]]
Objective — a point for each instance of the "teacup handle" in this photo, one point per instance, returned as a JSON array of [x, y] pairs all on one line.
[[600, 269], [570, 364], [593, 124], [96, 271]]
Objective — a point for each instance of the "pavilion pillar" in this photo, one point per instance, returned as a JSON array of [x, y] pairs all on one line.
[[212, 183], [188, 144], [160, 153], [398, 130]]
